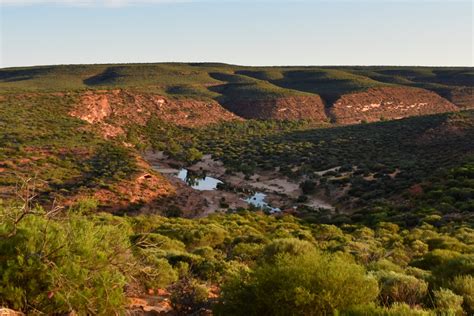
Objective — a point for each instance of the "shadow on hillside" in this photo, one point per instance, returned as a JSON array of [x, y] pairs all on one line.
[[23, 74], [109, 76]]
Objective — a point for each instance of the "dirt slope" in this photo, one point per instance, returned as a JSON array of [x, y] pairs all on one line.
[[146, 192], [287, 108], [388, 103], [123, 107]]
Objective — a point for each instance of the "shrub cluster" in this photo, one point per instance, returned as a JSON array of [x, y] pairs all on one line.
[[86, 263]]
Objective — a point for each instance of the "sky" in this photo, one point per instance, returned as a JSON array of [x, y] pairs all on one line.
[[244, 32]]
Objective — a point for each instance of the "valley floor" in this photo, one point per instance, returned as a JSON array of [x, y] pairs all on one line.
[[278, 189]]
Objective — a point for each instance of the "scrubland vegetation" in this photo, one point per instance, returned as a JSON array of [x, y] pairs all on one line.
[[86, 261], [221, 81], [395, 253], [400, 240], [394, 170]]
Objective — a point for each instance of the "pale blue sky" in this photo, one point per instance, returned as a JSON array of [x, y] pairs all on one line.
[[370, 32]]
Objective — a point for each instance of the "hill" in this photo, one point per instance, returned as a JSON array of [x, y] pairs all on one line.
[[263, 92]]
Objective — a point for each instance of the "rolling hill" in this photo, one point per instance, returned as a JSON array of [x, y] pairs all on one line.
[[264, 92]]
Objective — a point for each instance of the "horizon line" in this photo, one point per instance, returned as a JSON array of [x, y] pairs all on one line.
[[232, 64]]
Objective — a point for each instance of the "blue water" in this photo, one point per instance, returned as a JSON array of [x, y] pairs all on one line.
[[258, 200], [210, 183], [201, 184]]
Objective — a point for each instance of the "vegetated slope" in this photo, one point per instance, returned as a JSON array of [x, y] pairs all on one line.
[[370, 172], [256, 99], [454, 83], [261, 92], [234, 264], [356, 166], [330, 84], [351, 98], [68, 161]]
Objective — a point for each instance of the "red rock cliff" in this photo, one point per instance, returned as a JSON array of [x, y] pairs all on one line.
[[388, 103], [97, 107]]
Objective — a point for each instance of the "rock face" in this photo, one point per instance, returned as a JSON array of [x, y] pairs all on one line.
[[111, 110], [287, 108], [123, 107], [388, 103]]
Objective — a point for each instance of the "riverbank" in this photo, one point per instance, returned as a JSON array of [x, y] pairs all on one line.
[[264, 188]]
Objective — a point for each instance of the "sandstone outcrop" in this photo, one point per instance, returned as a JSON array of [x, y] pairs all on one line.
[[388, 103], [124, 107]]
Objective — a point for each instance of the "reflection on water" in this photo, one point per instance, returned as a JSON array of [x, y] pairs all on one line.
[[197, 182], [204, 183], [258, 200]]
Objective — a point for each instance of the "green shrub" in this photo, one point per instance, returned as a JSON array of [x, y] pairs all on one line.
[[384, 265], [460, 265], [397, 309], [85, 206], [448, 303], [307, 284], [156, 242], [153, 271], [289, 246], [247, 251], [56, 266], [435, 258], [464, 286], [188, 297], [192, 155], [418, 273], [111, 162], [402, 288]]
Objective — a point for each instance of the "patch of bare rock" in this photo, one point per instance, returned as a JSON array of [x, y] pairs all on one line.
[[123, 107], [377, 104]]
